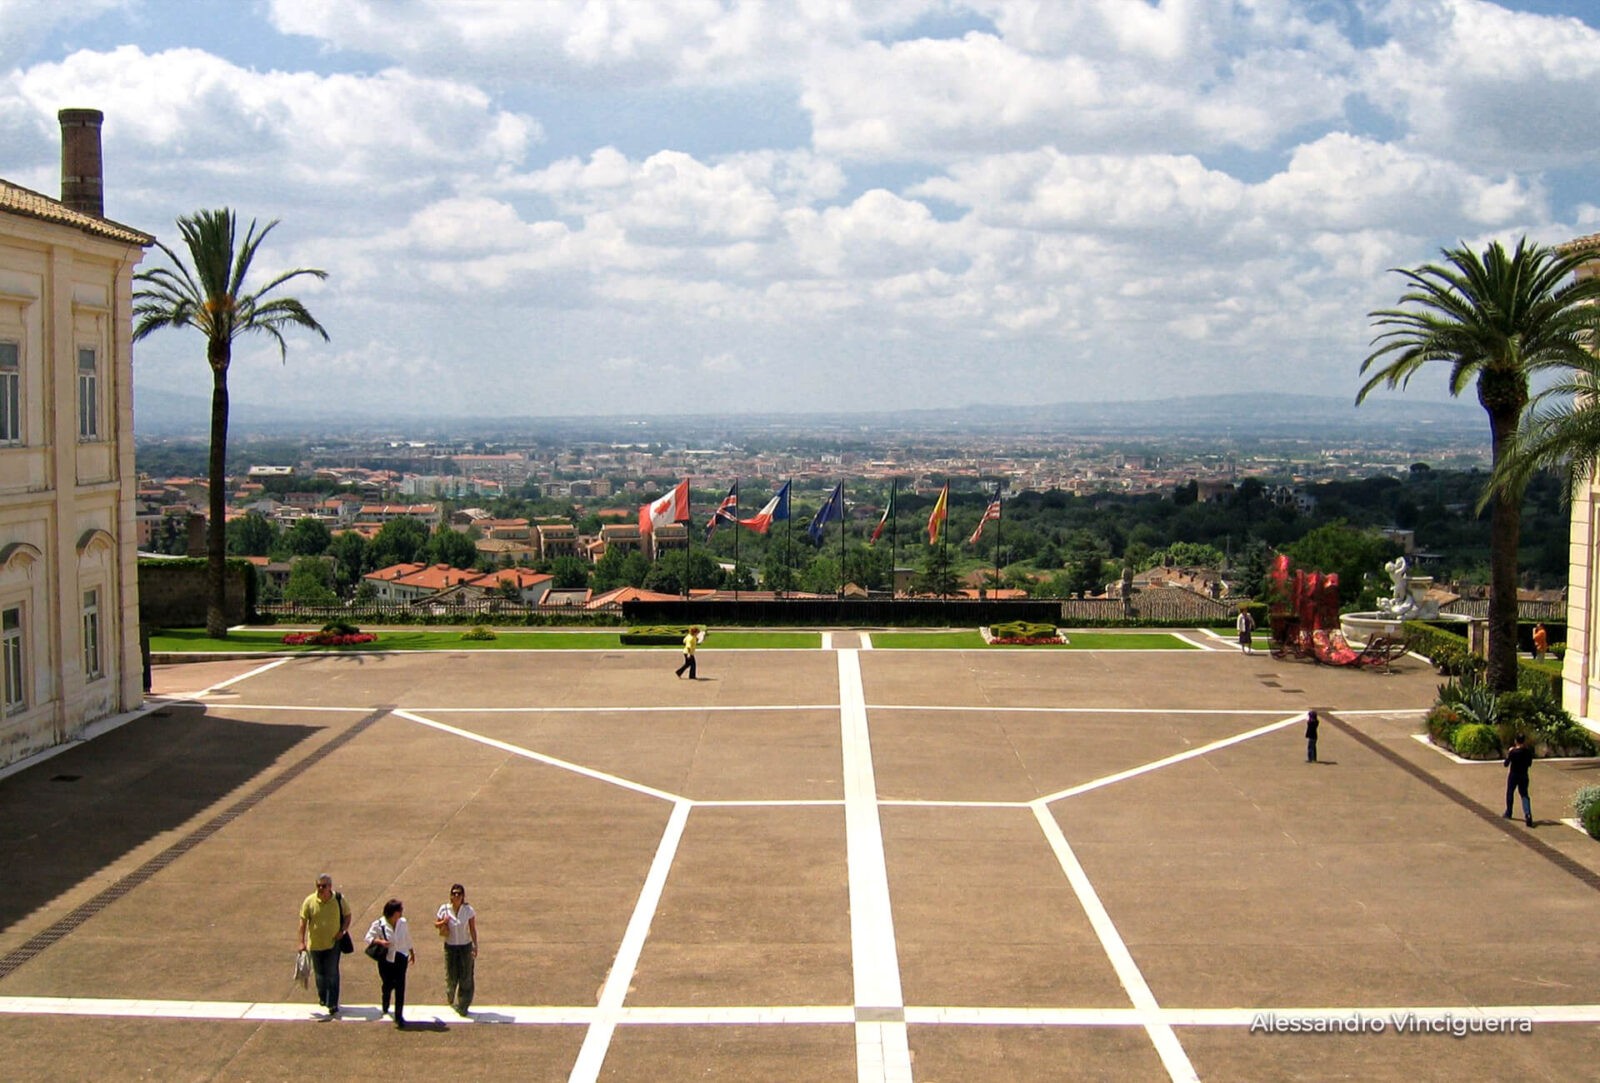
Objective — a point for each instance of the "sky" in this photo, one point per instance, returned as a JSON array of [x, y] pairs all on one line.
[[638, 207]]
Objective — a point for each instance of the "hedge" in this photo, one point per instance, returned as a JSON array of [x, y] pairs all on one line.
[[1436, 643]]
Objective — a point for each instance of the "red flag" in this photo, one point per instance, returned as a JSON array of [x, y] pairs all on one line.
[[671, 508]]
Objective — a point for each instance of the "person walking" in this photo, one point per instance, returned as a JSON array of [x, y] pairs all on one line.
[[1541, 642], [1246, 624], [690, 640], [393, 934], [457, 922], [1311, 736], [324, 919], [1518, 760]]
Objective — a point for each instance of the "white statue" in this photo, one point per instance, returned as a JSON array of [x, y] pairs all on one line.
[[1410, 600]]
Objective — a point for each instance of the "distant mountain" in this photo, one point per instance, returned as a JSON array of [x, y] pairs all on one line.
[[1318, 418]]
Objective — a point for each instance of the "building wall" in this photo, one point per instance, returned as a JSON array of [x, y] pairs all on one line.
[[66, 505], [1581, 691]]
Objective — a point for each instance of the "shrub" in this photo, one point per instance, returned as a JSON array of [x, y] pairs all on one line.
[[1442, 722], [1027, 630], [340, 628], [1585, 801], [327, 639], [1558, 651], [478, 633], [659, 635], [1591, 821], [1476, 741]]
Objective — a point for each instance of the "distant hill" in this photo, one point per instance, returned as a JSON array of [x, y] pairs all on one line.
[[1314, 417]]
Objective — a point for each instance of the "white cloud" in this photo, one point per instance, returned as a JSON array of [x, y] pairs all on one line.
[[686, 42], [1474, 82], [186, 123]]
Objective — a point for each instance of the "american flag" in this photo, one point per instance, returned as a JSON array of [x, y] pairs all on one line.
[[991, 513]]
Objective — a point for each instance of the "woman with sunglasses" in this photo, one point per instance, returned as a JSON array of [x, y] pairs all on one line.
[[457, 922]]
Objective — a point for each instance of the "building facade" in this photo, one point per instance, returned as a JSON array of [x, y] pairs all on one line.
[[69, 606], [1579, 676]]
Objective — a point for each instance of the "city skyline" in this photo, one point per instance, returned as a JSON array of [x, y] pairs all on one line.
[[670, 208]]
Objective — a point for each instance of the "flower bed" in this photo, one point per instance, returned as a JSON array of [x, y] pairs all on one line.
[[327, 639], [1025, 641]]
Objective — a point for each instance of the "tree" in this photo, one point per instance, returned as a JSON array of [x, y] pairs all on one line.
[[211, 297], [310, 582], [308, 537], [399, 541], [451, 547], [569, 572], [1354, 554], [349, 552], [1496, 319], [252, 535], [937, 574]]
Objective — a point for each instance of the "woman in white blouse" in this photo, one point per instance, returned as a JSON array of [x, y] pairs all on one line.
[[393, 934]]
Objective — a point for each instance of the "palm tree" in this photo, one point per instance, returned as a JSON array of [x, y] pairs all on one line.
[[1497, 319], [211, 297]]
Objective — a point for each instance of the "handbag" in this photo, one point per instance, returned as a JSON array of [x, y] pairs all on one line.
[[344, 943], [376, 951]]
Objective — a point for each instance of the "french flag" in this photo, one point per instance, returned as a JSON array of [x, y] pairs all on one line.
[[774, 511]]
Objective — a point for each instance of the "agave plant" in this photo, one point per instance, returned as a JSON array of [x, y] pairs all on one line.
[[1479, 704]]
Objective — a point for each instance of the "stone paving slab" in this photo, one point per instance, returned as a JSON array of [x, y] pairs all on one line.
[[1085, 854]]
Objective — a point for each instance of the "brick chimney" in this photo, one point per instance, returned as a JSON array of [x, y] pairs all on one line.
[[81, 179]]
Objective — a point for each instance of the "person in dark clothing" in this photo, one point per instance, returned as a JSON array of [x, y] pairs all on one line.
[[1311, 736], [1518, 760]]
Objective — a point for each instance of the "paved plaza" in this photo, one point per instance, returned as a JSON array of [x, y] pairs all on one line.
[[836, 864]]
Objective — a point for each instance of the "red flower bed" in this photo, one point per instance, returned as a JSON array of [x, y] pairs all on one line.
[[1026, 641], [326, 639]]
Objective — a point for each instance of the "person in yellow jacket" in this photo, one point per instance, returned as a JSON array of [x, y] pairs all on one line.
[[690, 640]]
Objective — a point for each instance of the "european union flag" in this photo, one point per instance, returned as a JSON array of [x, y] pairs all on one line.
[[833, 509]]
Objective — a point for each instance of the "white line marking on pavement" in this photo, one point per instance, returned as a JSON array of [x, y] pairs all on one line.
[[592, 1054], [782, 1014], [1168, 1048], [882, 1050], [627, 709], [1156, 765], [516, 750]]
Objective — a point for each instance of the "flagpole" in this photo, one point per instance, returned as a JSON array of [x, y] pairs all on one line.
[[688, 534], [788, 553], [999, 528], [736, 533], [842, 538], [944, 542], [894, 533]]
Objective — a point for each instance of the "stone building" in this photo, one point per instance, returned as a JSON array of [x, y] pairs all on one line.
[[69, 606]]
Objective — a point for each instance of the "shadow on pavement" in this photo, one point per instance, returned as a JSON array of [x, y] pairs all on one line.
[[72, 815]]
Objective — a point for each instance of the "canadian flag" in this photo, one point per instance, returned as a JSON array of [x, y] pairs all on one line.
[[671, 508]]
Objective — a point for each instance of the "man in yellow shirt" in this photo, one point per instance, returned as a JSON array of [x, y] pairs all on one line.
[[689, 641], [324, 918]]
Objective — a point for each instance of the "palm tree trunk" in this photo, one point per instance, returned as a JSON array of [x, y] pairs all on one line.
[[216, 525], [1505, 529]]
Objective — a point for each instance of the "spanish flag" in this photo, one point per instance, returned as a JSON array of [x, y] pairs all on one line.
[[941, 508]]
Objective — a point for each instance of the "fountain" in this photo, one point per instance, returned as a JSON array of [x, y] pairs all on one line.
[[1408, 601]]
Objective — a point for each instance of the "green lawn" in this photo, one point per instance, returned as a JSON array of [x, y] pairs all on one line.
[[1081, 641], [178, 640]]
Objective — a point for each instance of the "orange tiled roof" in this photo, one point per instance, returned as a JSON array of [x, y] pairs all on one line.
[[30, 204]]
